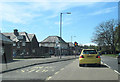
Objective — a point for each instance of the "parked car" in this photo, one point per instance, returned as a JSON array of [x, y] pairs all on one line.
[[89, 56], [118, 58]]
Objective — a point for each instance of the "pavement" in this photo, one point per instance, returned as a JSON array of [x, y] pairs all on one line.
[[23, 63]]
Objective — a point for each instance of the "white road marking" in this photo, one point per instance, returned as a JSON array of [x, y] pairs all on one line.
[[36, 67], [57, 72], [32, 70], [46, 67], [62, 69], [107, 65], [43, 70], [117, 72], [37, 71], [46, 70], [49, 78], [27, 70], [22, 70], [41, 67]]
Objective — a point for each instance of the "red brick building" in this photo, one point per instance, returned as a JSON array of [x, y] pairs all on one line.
[[24, 44]]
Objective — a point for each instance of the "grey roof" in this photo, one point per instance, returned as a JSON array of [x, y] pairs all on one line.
[[53, 39], [71, 44], [31, 36], [22, 35], [4, 39]]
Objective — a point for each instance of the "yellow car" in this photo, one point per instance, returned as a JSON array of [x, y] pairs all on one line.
[[89, 56]]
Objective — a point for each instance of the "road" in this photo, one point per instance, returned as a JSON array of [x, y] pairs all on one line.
[[74, 72], [112, 63], [64, 70]]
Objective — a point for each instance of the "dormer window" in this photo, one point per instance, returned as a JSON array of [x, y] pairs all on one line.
[[46, 44], [18, 45], [20, 37], [14, 44]]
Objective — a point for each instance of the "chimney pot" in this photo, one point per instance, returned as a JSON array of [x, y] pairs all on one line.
[[16, 32]]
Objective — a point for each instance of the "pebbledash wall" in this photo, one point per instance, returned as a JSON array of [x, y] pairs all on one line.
[[54, 43]]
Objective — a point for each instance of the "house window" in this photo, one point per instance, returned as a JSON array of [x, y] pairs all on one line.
[[40, 45], [27, 53], [14, 52], [2, 50], [33, 50], [23, 43], [18, 45], [24, 50], [46, 44], [14, 44]]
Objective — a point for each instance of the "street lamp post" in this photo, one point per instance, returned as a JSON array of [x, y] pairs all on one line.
[[72, 37], [61, 28]]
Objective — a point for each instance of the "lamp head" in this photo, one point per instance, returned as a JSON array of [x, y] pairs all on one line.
[[68, 12]]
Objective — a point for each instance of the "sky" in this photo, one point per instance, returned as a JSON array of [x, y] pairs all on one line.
[[42, 18]]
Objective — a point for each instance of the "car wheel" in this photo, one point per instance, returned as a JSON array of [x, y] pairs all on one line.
[[81, 65], [118, 62], [99, 65]]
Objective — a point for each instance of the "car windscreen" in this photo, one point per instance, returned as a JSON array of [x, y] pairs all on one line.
[[89, 52]]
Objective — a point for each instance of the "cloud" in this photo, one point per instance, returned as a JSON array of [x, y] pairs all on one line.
[[66, 21], [25, 12], [15, 13], [57, 6], [103, 11]]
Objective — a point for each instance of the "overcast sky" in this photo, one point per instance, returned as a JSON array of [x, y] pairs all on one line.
[[42, 18]]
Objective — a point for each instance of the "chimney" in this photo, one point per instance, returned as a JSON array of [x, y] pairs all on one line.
[[16, 32], [8, 37]]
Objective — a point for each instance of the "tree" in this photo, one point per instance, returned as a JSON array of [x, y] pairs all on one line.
[[105, 35], [117, 36]]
